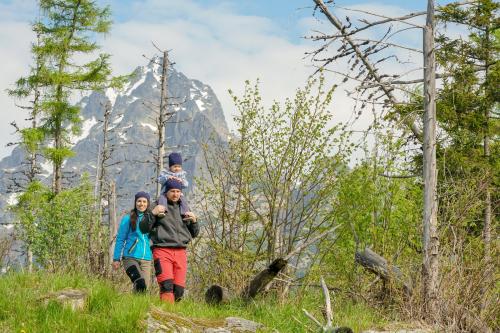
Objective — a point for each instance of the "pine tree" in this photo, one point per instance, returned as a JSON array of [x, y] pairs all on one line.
[[66, 30], [470, 100]]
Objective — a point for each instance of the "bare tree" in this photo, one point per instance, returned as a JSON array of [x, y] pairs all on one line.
[[430, 234], [160, 123], [380, 87], [102, 187], [112, 220], [162, 116]]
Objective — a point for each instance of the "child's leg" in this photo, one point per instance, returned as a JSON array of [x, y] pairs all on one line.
[[184, 205], [162, 200]]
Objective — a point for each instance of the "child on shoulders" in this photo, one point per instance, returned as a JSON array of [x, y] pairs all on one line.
[[176, 172]]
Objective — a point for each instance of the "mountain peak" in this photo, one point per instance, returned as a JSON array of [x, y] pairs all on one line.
[[197, 115]]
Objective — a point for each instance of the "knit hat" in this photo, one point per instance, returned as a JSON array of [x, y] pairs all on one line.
[[142, 194], [172, 184], [174, 158]]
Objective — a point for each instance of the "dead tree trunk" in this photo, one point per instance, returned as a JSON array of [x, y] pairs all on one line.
[[328, 328], [217, 294], [430, 233], [379, 266], [97, 249], [105, 155], [33, 167], [161, 121], [112, 220], [261, 280]]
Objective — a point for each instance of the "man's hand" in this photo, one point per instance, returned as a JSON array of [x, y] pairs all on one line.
[[158, 209], [190, 216], [175, 178], [116, 265]]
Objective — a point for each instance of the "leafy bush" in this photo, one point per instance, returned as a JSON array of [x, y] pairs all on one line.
[[56, 226]]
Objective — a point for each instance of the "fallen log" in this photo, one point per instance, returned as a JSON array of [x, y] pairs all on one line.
[[261, 280], [379, 266], [217, 294]]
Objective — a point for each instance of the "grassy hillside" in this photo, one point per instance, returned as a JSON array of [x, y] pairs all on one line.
[[110, 308]]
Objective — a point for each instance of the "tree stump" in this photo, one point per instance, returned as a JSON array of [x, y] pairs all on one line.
[[72, 298], [217, 295]]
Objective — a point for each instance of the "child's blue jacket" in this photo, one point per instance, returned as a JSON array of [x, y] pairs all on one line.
[[131, 243]]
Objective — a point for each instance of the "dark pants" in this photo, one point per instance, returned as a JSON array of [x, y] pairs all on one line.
[[139, 272]]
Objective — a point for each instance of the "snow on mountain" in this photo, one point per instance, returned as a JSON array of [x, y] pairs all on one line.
[[85, 130], [197, 115], [152, 127], [111, 94], [200, 105], [46, 169]]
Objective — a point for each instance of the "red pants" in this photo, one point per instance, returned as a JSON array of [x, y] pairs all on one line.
[[170, 268]]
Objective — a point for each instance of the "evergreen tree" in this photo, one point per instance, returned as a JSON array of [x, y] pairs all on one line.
[[469, 100], [66, 29]]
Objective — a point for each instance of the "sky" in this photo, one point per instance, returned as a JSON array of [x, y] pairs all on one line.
[[221, 43]]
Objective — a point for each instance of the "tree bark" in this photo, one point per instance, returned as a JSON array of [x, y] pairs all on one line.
[[430, 271], [218, 295], [112, 220], [104, 157], [161, 121], [487, 200], [261, 280], [378, 265]]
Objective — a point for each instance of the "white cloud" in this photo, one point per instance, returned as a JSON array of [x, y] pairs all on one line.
[[15, 40], [215, 46], [212, 44]]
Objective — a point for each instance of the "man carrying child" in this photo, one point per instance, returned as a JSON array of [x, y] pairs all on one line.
[[174, 172]]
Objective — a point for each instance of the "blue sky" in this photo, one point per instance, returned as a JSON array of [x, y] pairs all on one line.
[[285, 13], [221, 43]]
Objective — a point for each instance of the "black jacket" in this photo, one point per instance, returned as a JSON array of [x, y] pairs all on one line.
[[170, 230]]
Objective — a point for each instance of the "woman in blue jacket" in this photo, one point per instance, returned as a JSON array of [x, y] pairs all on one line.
[[132, 246]]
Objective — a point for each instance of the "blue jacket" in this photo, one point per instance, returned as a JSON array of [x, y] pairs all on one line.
[[131, 243]]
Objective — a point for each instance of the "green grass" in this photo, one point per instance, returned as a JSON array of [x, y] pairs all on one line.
[[110, 310]]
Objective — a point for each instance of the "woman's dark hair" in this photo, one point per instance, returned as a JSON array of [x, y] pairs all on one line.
[[133, 217]]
